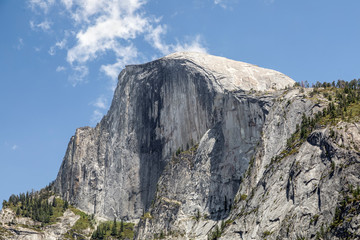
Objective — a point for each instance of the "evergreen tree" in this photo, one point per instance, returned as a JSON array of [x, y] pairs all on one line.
[[121, 226], [113, 229], [4, 204], [66, 205]]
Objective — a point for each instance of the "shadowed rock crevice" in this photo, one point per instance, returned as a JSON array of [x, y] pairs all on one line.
[[158, 108]]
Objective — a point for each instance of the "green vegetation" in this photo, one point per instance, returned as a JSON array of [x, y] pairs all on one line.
[[4, 233], [216, 234], [146, 215], [344, 105], [198, 215], [266, 234], [217, 231], [85, 221], [344, 100], [185, 155], [82, 225], [44, 207], [243, 197], [114, 230], [345, 210], [348, 205], [36, 205], [190, 151], [314, 219]]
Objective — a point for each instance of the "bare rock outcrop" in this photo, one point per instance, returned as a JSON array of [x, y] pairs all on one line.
[[14, 227], [159, 107], [195, 146]]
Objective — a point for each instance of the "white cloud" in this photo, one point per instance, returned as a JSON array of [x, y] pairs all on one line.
[[60, 45], [96, 117], [124, 55], [108, 30], [78, 75], [45, 25], [60, 68], [43, 5], [52, 51], [112, 70], [194, 46], [105, 27], [105, 35], [67, 3], [227, 4], [20, 44], [156, 39], [101, 102], [14, 147], [221, 3]]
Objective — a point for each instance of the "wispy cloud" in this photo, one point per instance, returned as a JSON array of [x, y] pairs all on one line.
[[108, 31], [20, 44], [101, 102], [52, 51], [220, 3], [226, 4], [96, 117], [43, 5], [60, 68], [124, 55], [78, 75], [61, 44], [106, 28], [155, 38], [44, 26], [58, 45], [14, 147], [194, 45]]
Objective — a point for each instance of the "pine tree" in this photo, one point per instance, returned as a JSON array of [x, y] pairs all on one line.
[[4, 204], [66, 205], [122, 226], [54, 204], [17, 211], [113, 229]]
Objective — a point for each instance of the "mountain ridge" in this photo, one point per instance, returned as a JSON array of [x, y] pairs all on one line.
[[168, 81], [201, 147]]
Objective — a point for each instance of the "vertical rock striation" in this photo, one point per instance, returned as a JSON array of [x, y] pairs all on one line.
[[159, 107], [195, 146]]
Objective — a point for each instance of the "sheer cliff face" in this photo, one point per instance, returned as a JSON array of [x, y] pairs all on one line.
[[305, 192], [159, 107]]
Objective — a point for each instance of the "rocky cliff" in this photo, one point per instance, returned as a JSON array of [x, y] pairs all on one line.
[[159, 107], [196, 146]]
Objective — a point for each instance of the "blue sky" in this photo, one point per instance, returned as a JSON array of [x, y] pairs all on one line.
[[59, 60]]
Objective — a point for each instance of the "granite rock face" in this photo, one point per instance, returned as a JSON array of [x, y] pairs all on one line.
[[308, 194], [189, 147], [159, 107], [14, 227]]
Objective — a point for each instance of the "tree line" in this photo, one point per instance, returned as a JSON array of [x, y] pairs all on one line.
[[36, 205], [118, 230], [341, 96]]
